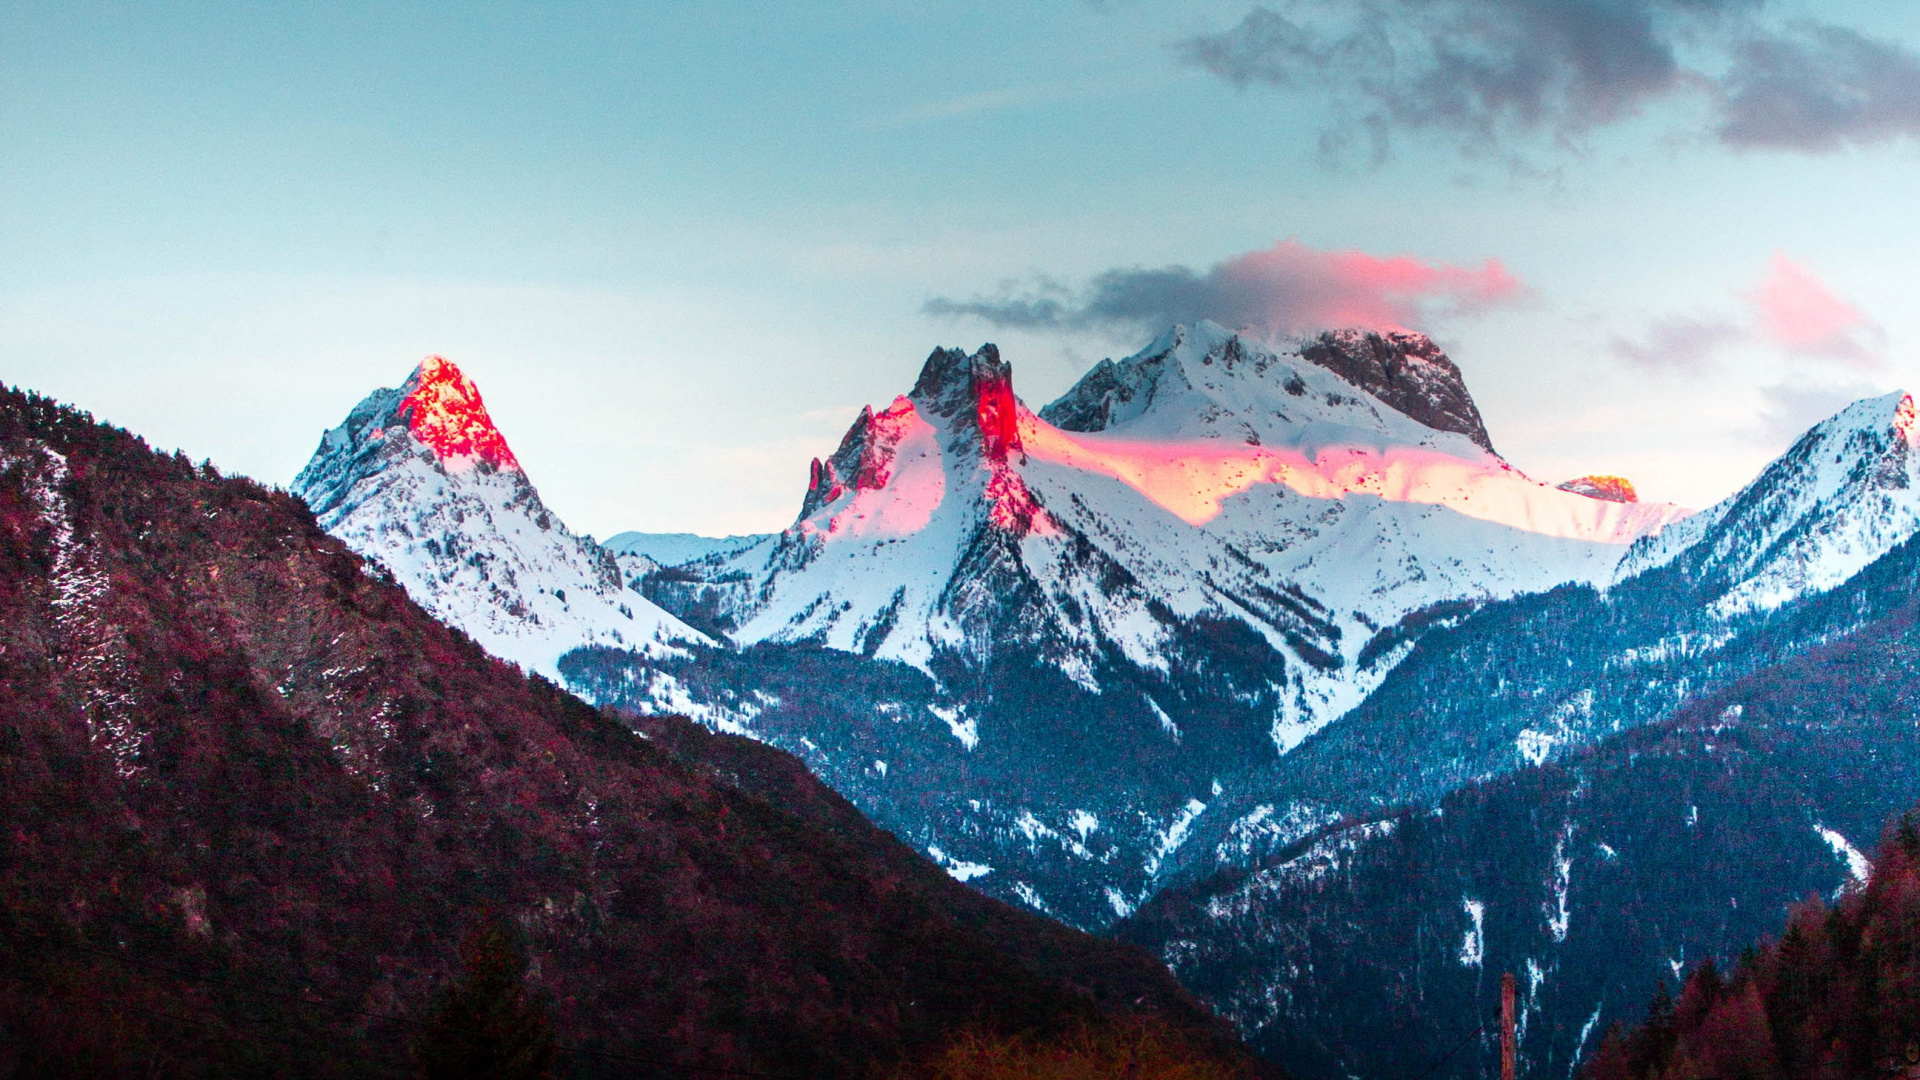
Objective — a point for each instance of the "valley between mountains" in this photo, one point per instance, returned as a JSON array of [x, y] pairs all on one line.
[[1252, 658]]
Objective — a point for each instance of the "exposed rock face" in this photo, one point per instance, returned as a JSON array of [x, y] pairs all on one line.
[[953, 384], [1606, 488], [1405, 370]]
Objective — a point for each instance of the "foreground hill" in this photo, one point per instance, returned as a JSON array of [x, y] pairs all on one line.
[[252, 795]]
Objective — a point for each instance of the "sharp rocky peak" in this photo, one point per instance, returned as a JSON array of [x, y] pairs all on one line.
[[442, 408], [436, 416], [975, 393], [969, 400], [1404, 370], [864, 459]]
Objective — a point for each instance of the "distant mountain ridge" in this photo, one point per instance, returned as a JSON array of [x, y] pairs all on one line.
[[1528, 679], [673, 549]]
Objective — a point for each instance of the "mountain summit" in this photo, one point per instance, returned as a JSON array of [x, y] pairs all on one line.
[[442, 408], [1405, 370], [419, 479]]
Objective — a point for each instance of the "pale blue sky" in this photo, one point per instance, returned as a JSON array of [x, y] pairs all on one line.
[[678, 245]]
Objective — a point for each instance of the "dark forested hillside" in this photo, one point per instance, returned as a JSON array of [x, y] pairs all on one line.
[[1837, 993], [251, 798], [1373, 946]]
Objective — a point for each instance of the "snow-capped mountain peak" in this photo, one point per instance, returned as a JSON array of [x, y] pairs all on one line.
[[1845, 493], [420, 479], [442, 408], [1204, 458]]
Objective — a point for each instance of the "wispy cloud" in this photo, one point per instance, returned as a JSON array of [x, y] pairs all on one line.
[[947, 108], [1678, 343], [1798, 312], [1289, 287], [1483, 72], [1790, 310]]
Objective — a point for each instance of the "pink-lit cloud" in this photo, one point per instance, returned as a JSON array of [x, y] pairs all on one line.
[[1791, 310], [1798, 312], [1287, 288]]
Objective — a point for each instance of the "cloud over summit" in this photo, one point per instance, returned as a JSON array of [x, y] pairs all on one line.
[[1288, 288]]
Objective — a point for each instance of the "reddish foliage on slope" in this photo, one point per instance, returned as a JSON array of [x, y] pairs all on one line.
[[1838, 995]]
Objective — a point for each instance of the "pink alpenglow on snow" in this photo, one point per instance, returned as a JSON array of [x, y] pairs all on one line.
[[1799, 312], [898, 484], [1193, 480], [442, 408]]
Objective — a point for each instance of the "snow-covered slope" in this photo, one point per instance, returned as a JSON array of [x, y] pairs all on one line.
[[419, 479], [1207, 476], [1841, 497]]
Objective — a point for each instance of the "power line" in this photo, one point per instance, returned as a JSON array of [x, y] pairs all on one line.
[[1471, 1035]]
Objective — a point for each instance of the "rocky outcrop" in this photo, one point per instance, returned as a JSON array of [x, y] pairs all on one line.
[[976, 392], [1405, 370], [1603, 487]]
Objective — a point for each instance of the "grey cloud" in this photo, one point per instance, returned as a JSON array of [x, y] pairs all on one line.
[[1120, 301], [1288, 287], [1677, 344], [1028, 312], [1818, 89], [1483, 71]]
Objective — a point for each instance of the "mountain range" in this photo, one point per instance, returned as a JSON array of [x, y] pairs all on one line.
[[1257, 655]]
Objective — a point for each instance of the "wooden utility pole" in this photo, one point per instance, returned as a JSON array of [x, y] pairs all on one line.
[[1507, 1047]]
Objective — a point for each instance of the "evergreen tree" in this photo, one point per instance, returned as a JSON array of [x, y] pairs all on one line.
[[486, 1025]]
